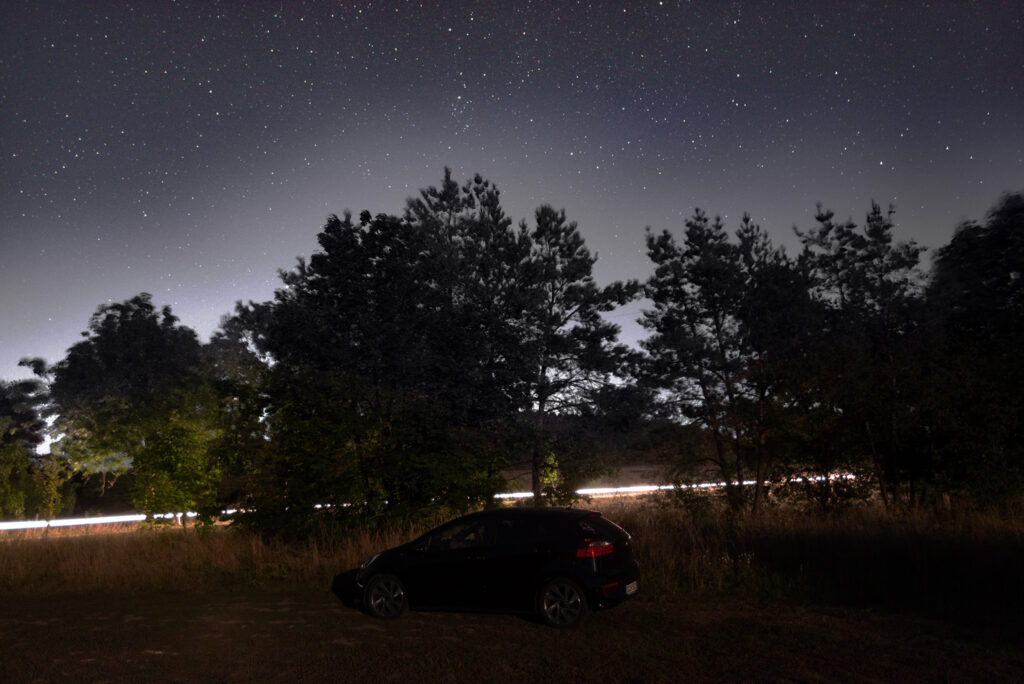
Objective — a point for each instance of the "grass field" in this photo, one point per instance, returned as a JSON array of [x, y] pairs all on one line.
[[962, 567], [866, 596]]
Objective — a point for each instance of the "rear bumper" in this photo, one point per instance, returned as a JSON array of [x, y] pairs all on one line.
[[613, 593]]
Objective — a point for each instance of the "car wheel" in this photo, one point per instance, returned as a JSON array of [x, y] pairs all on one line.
[[385, 597], [562, 603]]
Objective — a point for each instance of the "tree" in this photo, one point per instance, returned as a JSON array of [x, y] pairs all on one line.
[[238, 375], [403, 354], [21, 431], [694, 352], [389, 361], [726, 328], [135, 393], [973, 412], [571, 350], [871, 288], [174, 471], [978, 278], [778, 320], [539, 313]]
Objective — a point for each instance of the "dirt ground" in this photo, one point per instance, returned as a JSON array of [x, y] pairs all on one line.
[[309, 636]]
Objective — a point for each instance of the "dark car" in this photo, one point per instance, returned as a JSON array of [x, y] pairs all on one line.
[[557, 563]]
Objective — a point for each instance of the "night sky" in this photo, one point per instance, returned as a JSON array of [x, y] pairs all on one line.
[[191, 149]]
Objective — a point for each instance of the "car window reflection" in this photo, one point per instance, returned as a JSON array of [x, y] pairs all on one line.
[[518, 535], [468, 535]]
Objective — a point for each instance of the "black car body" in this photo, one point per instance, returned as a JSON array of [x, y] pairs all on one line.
[[559, 563]]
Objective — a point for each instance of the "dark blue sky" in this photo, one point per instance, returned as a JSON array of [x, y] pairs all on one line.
[[192, 149]]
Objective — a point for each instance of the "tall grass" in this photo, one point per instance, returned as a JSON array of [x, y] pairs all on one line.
[[967, 564], [146, 559]]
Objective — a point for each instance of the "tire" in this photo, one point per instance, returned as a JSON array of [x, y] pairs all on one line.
[[561, 603], [385, 597]]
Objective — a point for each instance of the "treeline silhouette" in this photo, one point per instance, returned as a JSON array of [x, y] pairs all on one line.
[[414, 359]]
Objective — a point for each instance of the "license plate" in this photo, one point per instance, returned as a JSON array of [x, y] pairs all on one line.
[[631, 588]]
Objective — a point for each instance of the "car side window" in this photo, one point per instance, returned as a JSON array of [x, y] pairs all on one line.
[[518, 535], [555, 536], [466, 535]]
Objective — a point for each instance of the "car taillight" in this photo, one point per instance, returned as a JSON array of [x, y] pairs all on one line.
[[592, 548]]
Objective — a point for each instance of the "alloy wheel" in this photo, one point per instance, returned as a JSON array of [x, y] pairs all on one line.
[[562, 604], [386, 597]]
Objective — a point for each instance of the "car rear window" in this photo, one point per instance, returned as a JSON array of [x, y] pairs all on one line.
[[603, 528]]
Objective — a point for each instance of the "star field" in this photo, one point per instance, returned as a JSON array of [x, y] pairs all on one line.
[[192, 149]]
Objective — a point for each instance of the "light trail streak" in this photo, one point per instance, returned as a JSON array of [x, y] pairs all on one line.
[[630, 490], [103, 520], [23, 525], [638, 490]]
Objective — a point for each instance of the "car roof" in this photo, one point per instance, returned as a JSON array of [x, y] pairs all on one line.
[[537, 512]]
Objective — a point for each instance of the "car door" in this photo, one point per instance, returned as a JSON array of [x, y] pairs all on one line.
[[443, 568], [508, 570]]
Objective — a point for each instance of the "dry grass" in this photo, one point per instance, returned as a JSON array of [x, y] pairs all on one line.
[[954, 565], [137, 559]]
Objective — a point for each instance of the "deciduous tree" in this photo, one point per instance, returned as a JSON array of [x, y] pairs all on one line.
[[135, 392], [21, 431]]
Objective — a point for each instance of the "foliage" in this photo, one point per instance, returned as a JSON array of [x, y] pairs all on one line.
[[54, 493], [872, 289], [21, 431], [15, 479], [21, 421], [974, 413], [173, 472], [413, 358], [571, 349], [390, 353], [843, 361], [135, 392], [726, 331]]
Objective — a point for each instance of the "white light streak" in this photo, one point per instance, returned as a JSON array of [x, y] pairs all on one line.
[[631, 490], [23, 525], [636, 490], [103, 520], [514, 495]]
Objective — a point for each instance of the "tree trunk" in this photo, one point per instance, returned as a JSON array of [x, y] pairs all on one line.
[[879, 473], [760, 467], [535, 482], [760, 458], [537, 458]]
